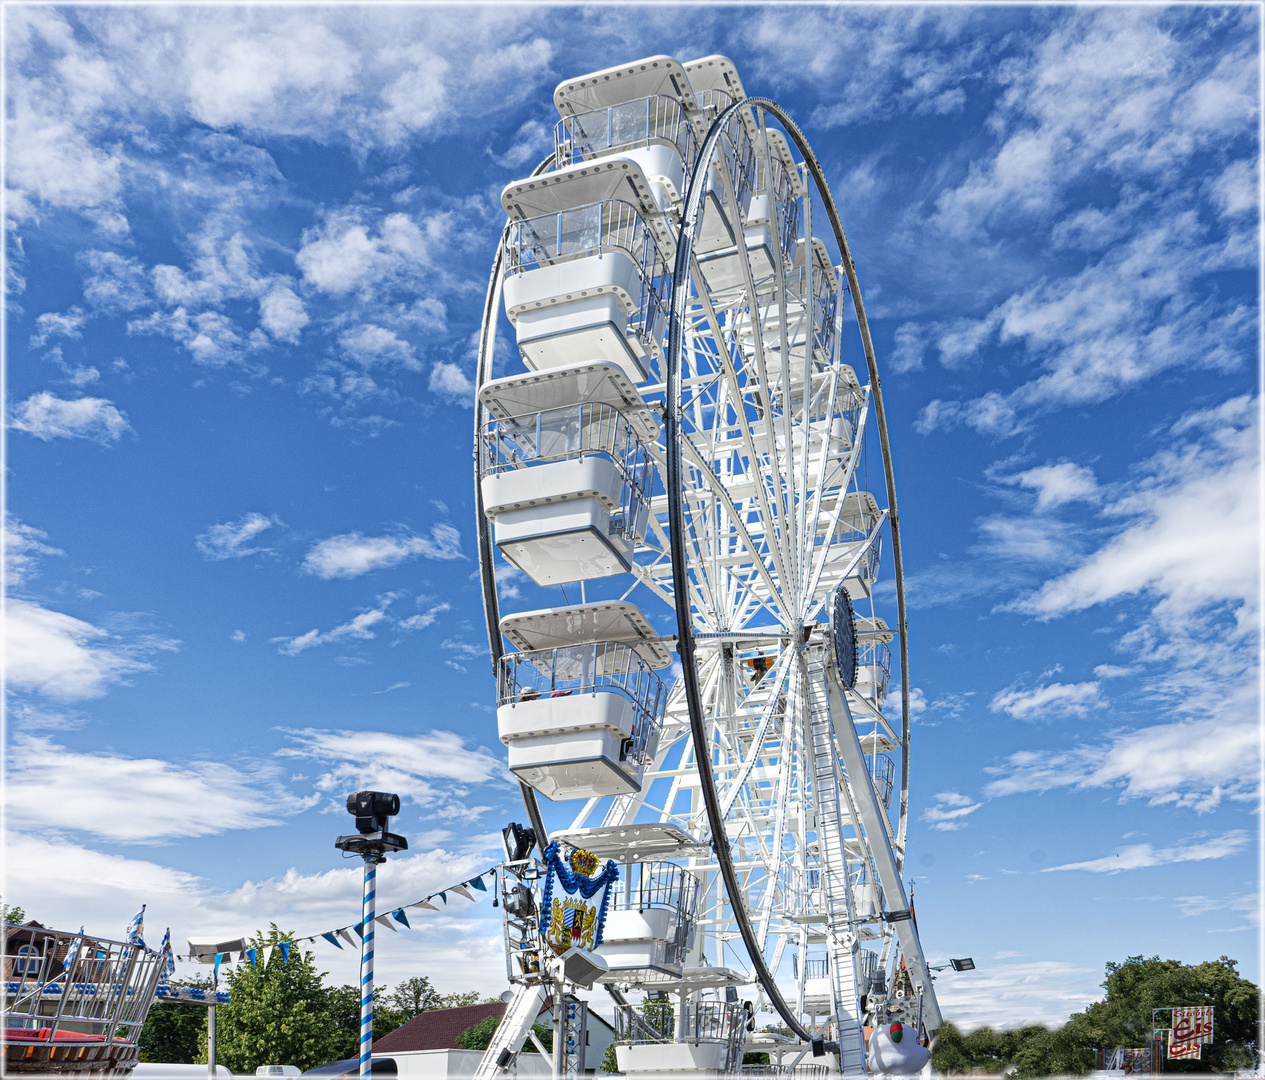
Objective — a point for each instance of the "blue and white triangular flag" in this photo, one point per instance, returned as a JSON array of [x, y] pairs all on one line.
[[285, 949], [477, 882], [347, 937], [461, 890], [385, 920], [400, 917], [328, 937], [425, 904]]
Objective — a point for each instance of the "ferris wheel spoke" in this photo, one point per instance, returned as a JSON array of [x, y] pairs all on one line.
[[811, 600]]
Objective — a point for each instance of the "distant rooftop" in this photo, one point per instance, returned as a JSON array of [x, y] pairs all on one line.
[[436, 1029]]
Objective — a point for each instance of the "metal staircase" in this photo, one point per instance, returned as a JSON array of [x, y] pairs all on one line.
[[841, 941], [511, 1032]]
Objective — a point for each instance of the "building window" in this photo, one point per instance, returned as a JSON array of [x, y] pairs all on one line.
[[28, 961]]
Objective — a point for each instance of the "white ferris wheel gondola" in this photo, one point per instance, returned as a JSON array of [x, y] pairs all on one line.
[[689, 433]]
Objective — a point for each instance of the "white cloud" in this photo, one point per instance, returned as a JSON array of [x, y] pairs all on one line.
[[46, 416], [1141, 856], [530, 144], [458, 946], [282, 313], [369, 344], [450, 382], [1113, 671], [1030, 539], [1188, 561], [1235, 191], [909, 348], [436, 755], [1189, 763], [210, 336], [64, 658], [58, 324], [423, 619], [949, 812], [115, 282], [130, 800], [1014, 995], [1052, 699], [347, 252], [360, 627], [1057, 484], [1195, 649], [230, 539], [877, 63], [352, 554], [22, 544]]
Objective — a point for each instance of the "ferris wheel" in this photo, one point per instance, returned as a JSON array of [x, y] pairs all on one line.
[[694, 459]]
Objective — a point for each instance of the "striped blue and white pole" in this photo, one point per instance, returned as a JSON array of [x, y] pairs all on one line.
[[366, 966]]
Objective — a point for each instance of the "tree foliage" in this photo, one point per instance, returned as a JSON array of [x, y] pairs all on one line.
[[342, 1005], [279, 1015], [1122, 1018], [173, 1032], [479, 1037], [416, 995]]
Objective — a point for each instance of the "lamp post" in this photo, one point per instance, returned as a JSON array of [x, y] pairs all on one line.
[[371, 841]]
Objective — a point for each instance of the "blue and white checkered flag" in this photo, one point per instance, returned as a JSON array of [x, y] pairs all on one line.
[[72, 954], [169, 961], [136, 928]]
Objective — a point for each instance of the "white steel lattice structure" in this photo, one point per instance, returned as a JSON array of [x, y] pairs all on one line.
[[700, 431]]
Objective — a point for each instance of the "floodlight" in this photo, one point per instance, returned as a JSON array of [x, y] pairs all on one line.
[[519, 902], [583, 967], [966, 964], [518, 841]]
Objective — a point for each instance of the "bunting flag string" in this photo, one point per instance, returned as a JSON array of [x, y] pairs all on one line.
[[473, 889]]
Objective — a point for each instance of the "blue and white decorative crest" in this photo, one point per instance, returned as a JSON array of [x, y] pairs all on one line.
[[575, 898]]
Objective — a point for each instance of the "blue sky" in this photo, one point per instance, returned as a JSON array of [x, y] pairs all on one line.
[[247, 257]]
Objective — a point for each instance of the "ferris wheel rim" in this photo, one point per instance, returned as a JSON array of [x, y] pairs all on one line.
[[673, 446], [673, 440]]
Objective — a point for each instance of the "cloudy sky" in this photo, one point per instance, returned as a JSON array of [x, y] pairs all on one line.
[[247, 254]]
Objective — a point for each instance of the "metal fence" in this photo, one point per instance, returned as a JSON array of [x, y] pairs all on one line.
[[663, 885], [588, 427], [806, 1072], [76, 989], [597, 667], [611, 225], [629, 125], [702, 1021]]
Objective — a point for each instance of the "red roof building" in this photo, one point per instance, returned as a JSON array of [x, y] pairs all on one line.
[[436, 1029]]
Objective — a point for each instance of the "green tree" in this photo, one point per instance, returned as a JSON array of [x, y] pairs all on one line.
[[1138, 985], [342, 1005], [458, 1001], [278, 1016], [13, 914], [610, 1063], [172, 1032], [479, 1037], [1134, 988], [416, 995]]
